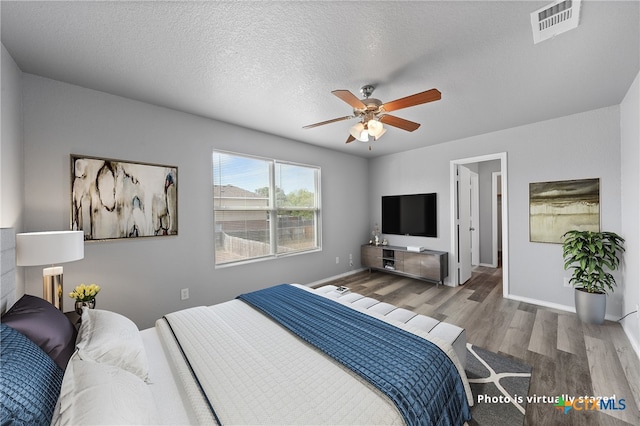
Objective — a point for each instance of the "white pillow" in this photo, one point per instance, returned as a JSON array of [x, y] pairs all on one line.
[[100, 394], [110, 338]]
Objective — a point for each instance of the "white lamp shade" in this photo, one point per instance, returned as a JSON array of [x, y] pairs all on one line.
[[48, 248], [357, 131], [380, 133], [375, 128]]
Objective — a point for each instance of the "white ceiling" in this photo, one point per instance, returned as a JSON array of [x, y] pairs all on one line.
[[271, 66]]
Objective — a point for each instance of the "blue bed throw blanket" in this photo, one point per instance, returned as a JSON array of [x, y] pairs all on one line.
[[414, 373]]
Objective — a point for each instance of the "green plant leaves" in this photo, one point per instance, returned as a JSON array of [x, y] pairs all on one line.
[[588, 253]]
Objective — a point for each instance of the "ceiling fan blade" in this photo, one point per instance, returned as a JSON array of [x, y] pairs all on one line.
[[328, 121], [417, 99], [349, 98], [398, 122], [350, 139]]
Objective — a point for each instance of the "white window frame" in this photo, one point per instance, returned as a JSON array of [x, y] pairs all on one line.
[[272, 210]]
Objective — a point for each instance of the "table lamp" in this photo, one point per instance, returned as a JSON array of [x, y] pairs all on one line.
[[50, 248]]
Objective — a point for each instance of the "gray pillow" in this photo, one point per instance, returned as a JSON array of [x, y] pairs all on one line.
[[44, 325]]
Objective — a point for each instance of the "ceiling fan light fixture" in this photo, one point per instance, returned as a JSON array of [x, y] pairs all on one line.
[[375, 128], [379, 135], [359, 132], [372, 113]]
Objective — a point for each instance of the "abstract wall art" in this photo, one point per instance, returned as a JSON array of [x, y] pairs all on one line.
[[113, 199], [558, 207]]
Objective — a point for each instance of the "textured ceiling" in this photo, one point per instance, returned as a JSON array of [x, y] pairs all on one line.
[[271, 66]]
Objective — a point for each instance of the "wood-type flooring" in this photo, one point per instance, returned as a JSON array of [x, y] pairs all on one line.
[[568, 357]]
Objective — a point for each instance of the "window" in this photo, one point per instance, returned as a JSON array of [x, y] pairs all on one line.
[[263, 207]]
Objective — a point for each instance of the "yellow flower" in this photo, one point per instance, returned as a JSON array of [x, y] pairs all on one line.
[[84, 293]]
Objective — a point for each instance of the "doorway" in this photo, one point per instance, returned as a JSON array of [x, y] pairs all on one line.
[[467, 225], [459, 261], [496, 219]]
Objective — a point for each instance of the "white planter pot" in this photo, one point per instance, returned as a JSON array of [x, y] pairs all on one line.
[[590, 307]]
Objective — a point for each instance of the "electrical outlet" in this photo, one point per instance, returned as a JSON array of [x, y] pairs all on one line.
[[350, 259], [184, 294], [567, 283], [337, 260]]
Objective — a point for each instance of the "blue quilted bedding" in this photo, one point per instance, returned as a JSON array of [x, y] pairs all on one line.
[[29, 380], [414, 373]]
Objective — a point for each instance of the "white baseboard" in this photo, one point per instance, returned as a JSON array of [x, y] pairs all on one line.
[[488, 265], [633, 339], [335, 277], [554, 305]]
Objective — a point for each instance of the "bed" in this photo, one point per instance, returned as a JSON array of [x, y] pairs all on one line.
[[251, 360]]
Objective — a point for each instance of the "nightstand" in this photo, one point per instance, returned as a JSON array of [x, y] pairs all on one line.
[[74, 318]]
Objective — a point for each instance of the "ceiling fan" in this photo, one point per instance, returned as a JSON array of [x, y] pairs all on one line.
[[372, 113]]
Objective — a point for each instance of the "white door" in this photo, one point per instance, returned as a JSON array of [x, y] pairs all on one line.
[[464, 224], [475, 220], [454, 166]]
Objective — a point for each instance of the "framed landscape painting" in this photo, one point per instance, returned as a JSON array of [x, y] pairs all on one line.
[[113, 199], [558, 207]]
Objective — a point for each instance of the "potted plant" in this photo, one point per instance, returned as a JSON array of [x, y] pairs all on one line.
[[591, 255], [85, 295]]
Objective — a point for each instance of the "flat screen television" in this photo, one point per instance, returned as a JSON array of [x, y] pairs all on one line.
[[414, 214]]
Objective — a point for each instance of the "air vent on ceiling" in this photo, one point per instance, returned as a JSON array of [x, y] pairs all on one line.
[[555, 18]]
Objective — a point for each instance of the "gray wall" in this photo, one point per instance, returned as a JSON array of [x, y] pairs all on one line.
[[579, 146], [11, 172], [11, 168], [142, 278], [630, 136], [7, 268]]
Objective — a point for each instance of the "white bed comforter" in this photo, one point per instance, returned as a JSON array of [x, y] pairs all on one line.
[[255, 372]]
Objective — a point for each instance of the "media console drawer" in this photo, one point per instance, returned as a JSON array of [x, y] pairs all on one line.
[[428, 265]]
